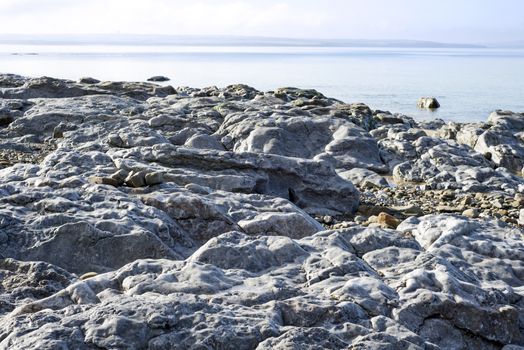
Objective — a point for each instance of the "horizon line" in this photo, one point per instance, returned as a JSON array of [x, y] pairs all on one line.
[[170, 39]]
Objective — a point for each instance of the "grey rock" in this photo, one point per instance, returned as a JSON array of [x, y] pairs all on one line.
[[158, 78], [409, 295], [154, 178], [204, 141], [311, 185], [364, 177], [88, 80], [136, 178], [46, 87], [507, 120], [136, 216], [504, 148], [428, 102], [298, 133], [80, 247], [291, 225], [100, 180]]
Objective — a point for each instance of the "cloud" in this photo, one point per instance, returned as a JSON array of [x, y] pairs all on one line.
[[444, 20], [155, 17]]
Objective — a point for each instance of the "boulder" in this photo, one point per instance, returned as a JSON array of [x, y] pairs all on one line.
[[428, 103], [507, 120], [88, 80], [158, 78], [504, 148]]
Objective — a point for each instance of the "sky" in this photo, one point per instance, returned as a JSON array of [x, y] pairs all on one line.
[[454, 21]]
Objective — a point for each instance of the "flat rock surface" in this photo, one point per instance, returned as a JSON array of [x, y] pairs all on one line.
[[139, 216]]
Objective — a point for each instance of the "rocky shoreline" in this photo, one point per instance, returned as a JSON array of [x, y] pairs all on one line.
[[140, 216]]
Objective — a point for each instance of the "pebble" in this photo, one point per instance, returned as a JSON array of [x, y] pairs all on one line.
[[387, 220], [101, 180], [471, 213]]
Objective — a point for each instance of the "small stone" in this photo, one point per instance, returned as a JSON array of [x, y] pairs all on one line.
[[467, 200], [471, 213], [497, 204], [102, 180], [369, 184], [154, 178], [388, 119], [344, 224], [521, 217], [449, 209], [327, 219], [120, 176], [408, 210], [136, 179], [115, 140], [58, 133], [518, 201], [158, 78], [87, 275], [88, 80], [479, 196], [360, 219], [519, 197], [502, 212], [372, 219], [448, 195], [510, 220], [387, 220]]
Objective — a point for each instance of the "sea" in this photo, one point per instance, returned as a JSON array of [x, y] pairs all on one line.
[[469, 83]]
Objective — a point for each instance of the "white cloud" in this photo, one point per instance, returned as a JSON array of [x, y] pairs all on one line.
[[155, 17], [368, 19]]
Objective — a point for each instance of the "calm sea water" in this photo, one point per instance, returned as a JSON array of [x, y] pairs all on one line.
[[469, 83]]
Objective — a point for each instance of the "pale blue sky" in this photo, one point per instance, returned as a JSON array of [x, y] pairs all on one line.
[[442, 20]]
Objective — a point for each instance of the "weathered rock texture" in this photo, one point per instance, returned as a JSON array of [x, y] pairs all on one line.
[[135, 216]]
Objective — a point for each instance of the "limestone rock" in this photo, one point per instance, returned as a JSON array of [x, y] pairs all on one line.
[[135, 216], [158, 78], [428, 102], [100, 180], [364, 177], [507, 120], [365, 287], [291, 225], [471, 213], [504, 148], [88, 80]]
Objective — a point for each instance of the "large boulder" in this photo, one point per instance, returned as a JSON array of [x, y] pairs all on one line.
[[312, 185], [428, 102], [503, 148], [507, 120]]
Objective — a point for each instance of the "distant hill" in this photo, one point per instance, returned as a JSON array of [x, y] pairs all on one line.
[[141, 40], [509, 44]]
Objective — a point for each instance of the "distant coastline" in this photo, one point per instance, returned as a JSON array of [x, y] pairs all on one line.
[[173, 40]]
